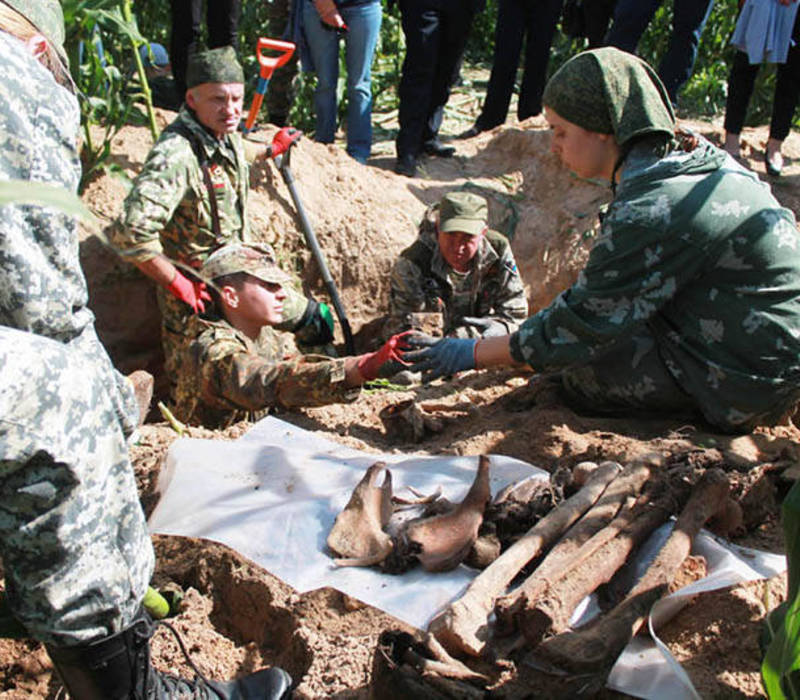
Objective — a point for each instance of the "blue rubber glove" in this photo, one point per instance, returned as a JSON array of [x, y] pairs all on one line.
[[440, 357]]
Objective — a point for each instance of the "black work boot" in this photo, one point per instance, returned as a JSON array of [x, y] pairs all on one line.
[[118, 667]]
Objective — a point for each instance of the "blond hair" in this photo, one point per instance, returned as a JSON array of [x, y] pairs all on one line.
[[12, 22]]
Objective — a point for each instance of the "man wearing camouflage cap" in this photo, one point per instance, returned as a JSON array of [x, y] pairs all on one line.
[[237, 366], [190, 198], [74, 543], [461, 269]]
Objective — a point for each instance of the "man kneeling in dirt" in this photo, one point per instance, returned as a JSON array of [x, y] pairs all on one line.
[[234, 365], [190, 198], [460, 271]]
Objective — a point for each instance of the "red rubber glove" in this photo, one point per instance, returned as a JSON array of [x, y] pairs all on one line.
[[392, 350], [192, 293], [283, 140]]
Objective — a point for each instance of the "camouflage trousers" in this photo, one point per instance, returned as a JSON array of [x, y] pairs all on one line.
[[633, 379], [73, 538], [280, 91], [630, 377]]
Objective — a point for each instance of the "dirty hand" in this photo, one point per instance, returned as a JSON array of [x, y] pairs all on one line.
[[283, 140], [192, 293], [487, 327], [329, 14], [392, 351], [439, 357]]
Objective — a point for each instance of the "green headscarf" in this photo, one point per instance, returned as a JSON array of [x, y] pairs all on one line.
[[609, 91]]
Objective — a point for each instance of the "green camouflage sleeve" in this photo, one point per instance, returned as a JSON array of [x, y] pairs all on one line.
[[247, 380], [510, 304], [633, 271], [156, 193]]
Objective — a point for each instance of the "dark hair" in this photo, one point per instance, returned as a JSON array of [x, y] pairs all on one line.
[[234, 279]]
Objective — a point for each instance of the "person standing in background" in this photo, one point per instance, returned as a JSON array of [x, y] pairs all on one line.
[[533, 21], [631, 18], [222, 23], [359, 23], [787, 90], [436, 35]]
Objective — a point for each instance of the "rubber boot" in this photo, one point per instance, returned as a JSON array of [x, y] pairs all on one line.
[[118, 667]]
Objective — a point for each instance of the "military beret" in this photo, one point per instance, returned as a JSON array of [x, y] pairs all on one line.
[[214, 66]]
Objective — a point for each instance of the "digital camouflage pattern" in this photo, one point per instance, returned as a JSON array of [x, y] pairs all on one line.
[[225, 377], [697, 265], [64, 410], [168, 211], [422, 281], [73, 539]]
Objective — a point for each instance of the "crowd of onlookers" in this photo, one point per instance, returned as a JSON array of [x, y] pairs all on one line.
[[436, 33]]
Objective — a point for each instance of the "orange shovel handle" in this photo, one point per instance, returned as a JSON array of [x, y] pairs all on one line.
[[267, 65]]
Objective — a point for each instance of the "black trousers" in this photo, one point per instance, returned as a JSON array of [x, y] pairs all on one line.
[[436, 34], [787, 90], [515, 19], [222, 22]]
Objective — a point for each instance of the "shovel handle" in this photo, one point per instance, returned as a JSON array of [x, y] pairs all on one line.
[[267, 65]]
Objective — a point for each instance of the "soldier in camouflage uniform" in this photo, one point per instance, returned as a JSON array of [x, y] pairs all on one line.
[[168, 216], [690, 300], [237, 366], [74, 544], [460, 269]]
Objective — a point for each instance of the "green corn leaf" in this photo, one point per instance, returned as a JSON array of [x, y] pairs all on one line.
[[780, 669]]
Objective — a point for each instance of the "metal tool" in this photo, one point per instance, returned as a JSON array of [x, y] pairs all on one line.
[[267, 64]]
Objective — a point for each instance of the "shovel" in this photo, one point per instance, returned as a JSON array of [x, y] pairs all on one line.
[[282, 161], [267, 64]]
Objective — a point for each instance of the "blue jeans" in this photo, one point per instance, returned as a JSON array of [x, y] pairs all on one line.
[[631, 18], [364, 22]]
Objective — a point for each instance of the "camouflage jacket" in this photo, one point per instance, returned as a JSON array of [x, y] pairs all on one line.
[[695, 249], [226, 377], [423, 282], [42, 286], [168, 208]]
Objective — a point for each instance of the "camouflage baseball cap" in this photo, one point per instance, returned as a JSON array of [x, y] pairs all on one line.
[[256, 260], [463, 211], [47, 16], [218, 65]]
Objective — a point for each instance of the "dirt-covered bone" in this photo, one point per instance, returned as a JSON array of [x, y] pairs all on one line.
[[462, 626], [593, 649], [357, 535], [594, 564], [626, 485], [443, 542]]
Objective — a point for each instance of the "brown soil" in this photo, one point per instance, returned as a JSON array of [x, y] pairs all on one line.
[[236, 616]]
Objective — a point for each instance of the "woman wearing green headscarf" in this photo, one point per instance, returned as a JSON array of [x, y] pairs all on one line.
[[690, 299]]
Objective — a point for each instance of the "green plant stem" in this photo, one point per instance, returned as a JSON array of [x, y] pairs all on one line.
[[127, 15]]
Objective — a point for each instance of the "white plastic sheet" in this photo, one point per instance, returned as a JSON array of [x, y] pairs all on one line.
[[273, 495]]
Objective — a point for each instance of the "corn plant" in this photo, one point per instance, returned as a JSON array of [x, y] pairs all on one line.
[[101, 36]]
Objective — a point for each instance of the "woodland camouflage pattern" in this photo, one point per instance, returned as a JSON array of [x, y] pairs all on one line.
[[225, 377], [695, 279], [168, 211], [66, 484], [492, 290]]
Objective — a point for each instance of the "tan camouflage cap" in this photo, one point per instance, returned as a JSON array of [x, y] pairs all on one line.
[[218, 65], [256, 260], [47, 16], [463, 211]]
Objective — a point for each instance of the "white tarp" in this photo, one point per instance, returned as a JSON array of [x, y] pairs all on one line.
[[273, 495]]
